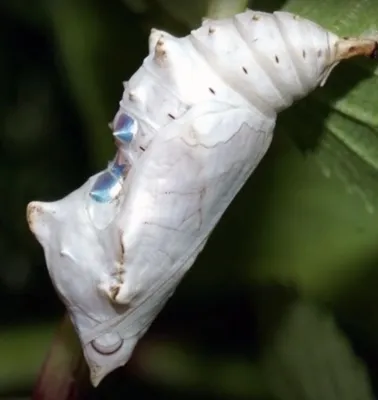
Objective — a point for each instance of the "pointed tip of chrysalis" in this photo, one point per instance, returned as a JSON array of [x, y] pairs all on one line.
[[96, 379], [31, 210], [160, 51], [353, 47], [97, 376], [39, 216], [350, 47], [99, 371], [155, 35]]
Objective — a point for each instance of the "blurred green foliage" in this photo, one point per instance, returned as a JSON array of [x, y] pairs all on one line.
[[306, 221]]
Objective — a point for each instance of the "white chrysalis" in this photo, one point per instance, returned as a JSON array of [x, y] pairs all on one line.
[[194, 122]]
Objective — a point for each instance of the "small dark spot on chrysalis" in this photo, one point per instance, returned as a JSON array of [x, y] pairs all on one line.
[[319, 53], [142, 148], [374, 53], [245, 70], [171, 116], [346, 37], [352, 49], [304, 53], [277, 59], [255, 17], [211, 30], [212, 90]]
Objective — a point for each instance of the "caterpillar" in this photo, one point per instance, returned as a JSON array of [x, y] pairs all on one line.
[[193, 123]]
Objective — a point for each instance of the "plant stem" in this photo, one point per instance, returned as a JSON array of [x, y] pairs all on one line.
[[64, 374]]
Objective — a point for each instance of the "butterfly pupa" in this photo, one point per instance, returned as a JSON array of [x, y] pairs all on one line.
[[205, 107]]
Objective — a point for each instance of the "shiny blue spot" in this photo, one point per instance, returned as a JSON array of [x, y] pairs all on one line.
[[125, 127], [117, 170], [108, 184]]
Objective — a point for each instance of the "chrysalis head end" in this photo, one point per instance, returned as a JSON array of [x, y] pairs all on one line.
[[353, 47]]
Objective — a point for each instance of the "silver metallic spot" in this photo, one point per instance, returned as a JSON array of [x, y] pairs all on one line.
[[107, 344], [125, 128], [109, 183]]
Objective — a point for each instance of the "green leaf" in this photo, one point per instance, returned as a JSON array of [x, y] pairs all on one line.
[[310, 359], [225, 8], [23, 349], [184, 367], [348, 145], [192, 12]]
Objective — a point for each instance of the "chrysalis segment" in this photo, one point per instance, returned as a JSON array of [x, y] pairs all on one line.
[[215, 40], [109, 183], [309, 47]]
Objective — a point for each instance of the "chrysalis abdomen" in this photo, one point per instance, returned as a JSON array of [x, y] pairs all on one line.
[[258, 60], [269, 59]]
